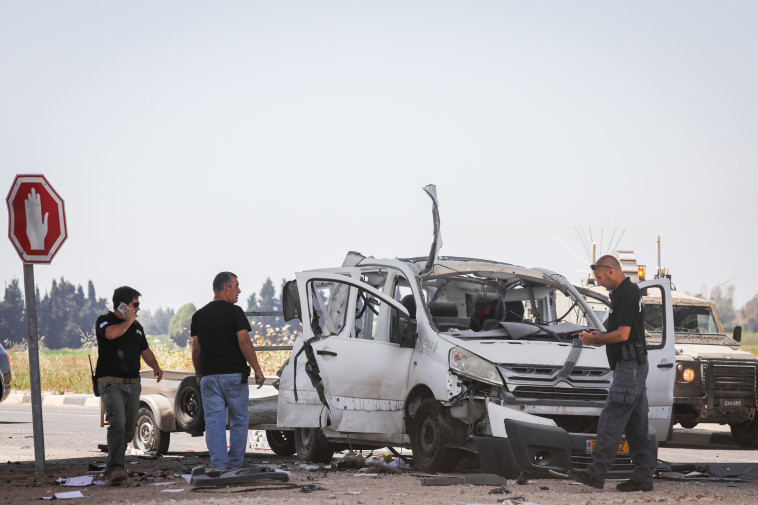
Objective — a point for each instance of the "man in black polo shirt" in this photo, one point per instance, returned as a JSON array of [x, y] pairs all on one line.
[[626, 409], [221, 350], [120, 344]]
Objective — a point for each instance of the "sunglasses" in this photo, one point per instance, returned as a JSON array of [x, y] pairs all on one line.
[[593, 267], [135, 304]]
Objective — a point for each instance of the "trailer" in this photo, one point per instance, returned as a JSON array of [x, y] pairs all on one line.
[[173, 405]]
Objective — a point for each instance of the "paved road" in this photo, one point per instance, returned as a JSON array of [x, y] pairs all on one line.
[[70, 431], [74, 431]]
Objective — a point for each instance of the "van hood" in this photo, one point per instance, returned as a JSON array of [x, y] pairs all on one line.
[[504, 352], [701, 351]]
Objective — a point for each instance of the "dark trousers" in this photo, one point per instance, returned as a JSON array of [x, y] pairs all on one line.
[[625, 412], [121, 402]]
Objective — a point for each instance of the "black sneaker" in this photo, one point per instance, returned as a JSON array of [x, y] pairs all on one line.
[[633, 485], [586, 479]]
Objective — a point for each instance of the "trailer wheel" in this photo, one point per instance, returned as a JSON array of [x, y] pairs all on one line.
[[746, 433], [148, 437], [428, 442], [312, 445], [282, 442], [188, 406]]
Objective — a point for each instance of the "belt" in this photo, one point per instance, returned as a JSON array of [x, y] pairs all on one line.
[[118, 379]]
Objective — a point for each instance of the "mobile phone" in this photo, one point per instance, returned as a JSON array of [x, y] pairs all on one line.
[[122, 308]]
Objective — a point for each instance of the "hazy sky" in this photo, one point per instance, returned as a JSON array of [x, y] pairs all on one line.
[[265, 138]]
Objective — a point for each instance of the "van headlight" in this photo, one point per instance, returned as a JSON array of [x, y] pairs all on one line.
[[469, 364]]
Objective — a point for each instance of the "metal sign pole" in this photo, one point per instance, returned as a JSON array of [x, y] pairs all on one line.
[[34, 377]]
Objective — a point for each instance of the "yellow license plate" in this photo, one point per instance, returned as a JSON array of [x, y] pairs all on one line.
[[590, 446]]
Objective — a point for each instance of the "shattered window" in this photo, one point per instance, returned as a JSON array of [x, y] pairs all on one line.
[[509, 307], [368, 307], [329, 302], [569, 310]]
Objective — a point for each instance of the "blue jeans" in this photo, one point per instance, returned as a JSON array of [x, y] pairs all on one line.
[[121, 402], [220, 392]]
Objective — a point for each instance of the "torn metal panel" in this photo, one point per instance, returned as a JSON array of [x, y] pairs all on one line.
[[235, 476], [434, 253]]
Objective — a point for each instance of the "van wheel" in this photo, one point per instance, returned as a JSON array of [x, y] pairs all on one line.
[[746, 433], [282, 442], [148, 437], [188, 407], [428, 442], [312, 445]]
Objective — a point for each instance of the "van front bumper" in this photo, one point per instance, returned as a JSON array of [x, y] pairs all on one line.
[[533, 444]]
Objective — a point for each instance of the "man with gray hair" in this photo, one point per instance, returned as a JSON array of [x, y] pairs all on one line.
[[221, 350], [626, 409]]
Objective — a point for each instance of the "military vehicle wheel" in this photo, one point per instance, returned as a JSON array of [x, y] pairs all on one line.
[[428, 442], [746, 433], [148, 437], [188, 406], [688, 424], [282, 442], [312, 445]]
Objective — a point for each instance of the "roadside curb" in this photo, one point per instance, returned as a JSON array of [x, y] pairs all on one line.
[[75, 400]]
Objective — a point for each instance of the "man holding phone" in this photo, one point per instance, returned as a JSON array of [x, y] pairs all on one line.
[[221, 350], [626, 408], [120, 344]]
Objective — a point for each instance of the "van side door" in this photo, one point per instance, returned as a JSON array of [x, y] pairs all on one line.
[[362, 379]]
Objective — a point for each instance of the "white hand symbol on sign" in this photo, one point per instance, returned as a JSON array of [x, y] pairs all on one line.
[[36, 229]]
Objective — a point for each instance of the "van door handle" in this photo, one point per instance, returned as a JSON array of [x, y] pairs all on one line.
[[326, 353], [666, 365]]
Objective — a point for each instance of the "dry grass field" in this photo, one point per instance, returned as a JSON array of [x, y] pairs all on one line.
[[67, 370]]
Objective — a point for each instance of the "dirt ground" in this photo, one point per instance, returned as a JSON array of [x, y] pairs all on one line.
[[20, 484]]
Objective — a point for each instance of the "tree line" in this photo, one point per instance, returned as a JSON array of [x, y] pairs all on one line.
[[263, 301], [65, 312]]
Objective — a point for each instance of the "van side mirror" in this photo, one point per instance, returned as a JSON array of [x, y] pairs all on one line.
[[403, 330], [737, 335]]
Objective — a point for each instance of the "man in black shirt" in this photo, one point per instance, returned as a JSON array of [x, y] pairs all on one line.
[[221, 350], [120, 344], [626, 409]]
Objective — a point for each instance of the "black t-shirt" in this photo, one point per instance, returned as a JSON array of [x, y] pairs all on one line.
[[216, 326], [119, 357], [626, 310]]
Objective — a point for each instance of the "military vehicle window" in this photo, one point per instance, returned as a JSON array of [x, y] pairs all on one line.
[[693, 319], [329, 302]]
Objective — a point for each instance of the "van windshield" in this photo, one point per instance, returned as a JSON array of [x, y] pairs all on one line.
[[472, 306]]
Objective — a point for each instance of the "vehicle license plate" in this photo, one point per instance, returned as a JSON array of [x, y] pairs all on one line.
[[731, 403], [590, 446]]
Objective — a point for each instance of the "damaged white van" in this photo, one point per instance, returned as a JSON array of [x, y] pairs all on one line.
[[450, 356]]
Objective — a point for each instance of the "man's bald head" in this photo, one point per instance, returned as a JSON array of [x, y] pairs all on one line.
[[607, 261], [608, 272]]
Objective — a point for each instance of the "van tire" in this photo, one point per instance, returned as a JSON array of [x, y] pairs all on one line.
[[282, 442], [312, 445], [746, 433], [428, 440], [148, 437], [188, 407]]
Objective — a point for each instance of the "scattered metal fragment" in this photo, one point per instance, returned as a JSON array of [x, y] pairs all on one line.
[[235, 476]]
